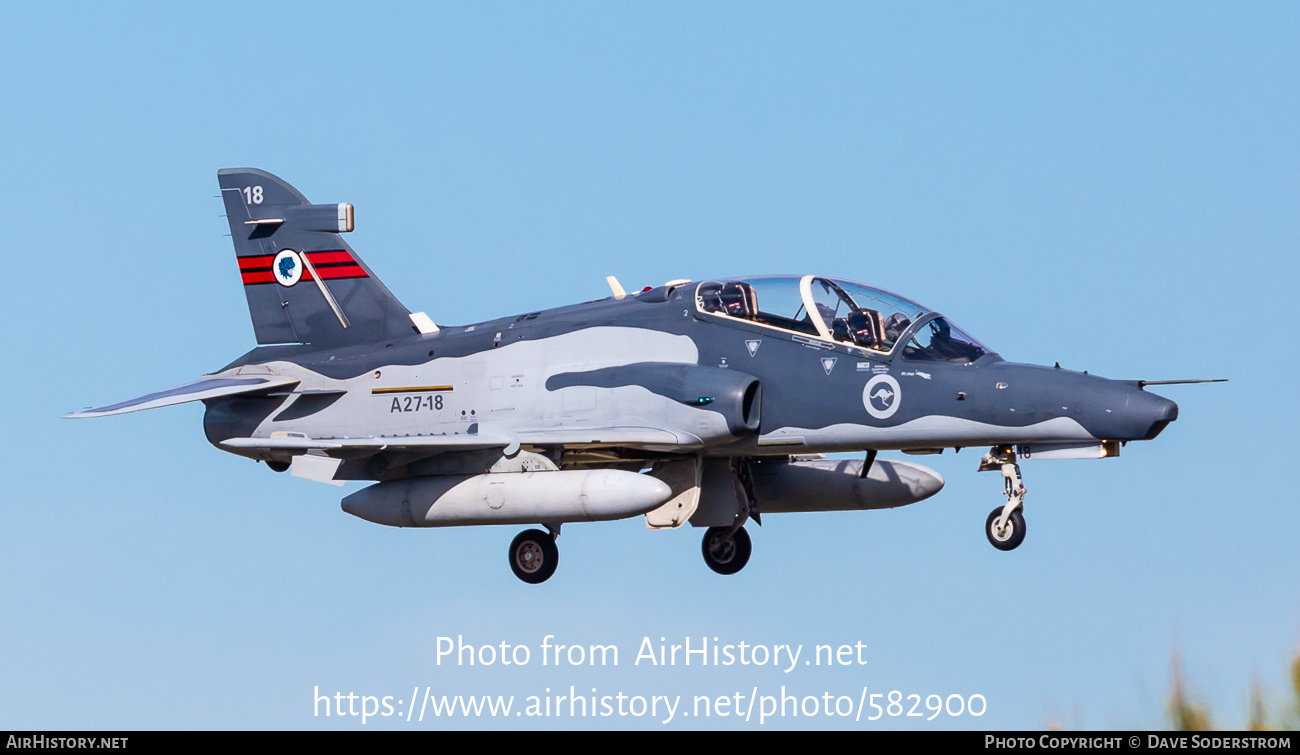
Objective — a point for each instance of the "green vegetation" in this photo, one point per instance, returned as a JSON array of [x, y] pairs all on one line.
[[1186, 714]]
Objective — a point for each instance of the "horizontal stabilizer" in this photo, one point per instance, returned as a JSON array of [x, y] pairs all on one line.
[[199, 390]]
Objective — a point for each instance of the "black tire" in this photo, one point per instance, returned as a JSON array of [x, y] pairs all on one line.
[[534, 556], [726, 555], [278, 466], [1009, 540]]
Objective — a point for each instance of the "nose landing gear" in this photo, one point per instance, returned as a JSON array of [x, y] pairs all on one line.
[[1005, 533], [1005, 526]]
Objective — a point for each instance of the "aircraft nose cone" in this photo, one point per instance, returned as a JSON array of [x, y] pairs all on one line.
[[1163, 411]]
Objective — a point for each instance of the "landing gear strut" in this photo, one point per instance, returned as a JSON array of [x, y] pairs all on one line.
[[726, 549], [1005, 526], [534, 556]]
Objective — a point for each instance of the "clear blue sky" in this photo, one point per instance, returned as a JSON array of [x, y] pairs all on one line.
[[1111, 186]]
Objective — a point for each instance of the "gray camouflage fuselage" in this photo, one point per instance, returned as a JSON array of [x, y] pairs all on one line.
[[702, 402], [640, 365]]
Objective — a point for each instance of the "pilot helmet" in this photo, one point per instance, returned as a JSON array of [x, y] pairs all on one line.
[[895, 324]]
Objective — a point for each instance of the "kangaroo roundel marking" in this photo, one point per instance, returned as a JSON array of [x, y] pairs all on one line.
[[881, 396], [287, 268]]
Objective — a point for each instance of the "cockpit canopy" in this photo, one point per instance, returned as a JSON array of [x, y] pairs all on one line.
[[841, 311]]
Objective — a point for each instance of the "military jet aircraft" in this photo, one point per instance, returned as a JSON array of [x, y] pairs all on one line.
[[710, 402]]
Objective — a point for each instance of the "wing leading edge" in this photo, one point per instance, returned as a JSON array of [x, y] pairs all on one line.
[[475, 439]]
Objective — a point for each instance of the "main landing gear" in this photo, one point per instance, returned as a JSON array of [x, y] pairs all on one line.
[[726, 549], [1005, 526], [534, 555]]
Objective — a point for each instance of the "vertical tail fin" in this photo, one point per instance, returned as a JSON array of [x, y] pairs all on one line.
[[303, 282]]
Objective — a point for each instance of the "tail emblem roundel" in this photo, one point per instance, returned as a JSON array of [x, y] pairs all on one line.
[[881, 396], [287, 268]]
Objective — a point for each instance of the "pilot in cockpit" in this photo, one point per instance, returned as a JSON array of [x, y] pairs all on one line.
[[895, 324]]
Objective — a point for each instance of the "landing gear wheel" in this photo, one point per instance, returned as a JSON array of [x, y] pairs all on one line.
[[1008, 537], [533, 556], [724, 553]]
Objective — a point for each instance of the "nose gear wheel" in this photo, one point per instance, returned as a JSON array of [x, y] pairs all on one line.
[[1005, 526], [1006, 535]]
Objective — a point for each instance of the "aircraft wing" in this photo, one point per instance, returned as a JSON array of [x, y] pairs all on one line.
[[634, 437], [302, 443], [203, 388], [470, 441]]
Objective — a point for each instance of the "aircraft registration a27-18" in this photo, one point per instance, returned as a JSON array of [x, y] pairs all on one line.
[[709, 402]]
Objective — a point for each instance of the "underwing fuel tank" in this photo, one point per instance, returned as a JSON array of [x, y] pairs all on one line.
[[837, 485], [551, 497]]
